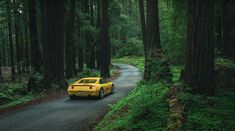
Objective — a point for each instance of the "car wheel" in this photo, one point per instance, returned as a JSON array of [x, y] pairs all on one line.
[[101, 93], [72, 97], [112, 89]]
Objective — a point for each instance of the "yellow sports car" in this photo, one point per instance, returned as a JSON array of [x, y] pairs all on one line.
[[91, 86]]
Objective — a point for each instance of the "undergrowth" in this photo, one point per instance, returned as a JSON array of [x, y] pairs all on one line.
[[214, 113], [145, 108], [209, 113]]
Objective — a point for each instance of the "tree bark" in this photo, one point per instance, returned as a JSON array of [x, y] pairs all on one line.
[[69, 46], [19, 51], [10, 38], [143, 24], [199, 67], [33, 34], [52, 12], [229, 28], [80, 52], [156, 64], [92, 38], [98, 36], [143, 28], [104, 58]]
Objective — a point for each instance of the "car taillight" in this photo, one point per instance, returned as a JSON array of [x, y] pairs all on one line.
[[72, 87]]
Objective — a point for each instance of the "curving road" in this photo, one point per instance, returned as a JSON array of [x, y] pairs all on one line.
[[69, 115]]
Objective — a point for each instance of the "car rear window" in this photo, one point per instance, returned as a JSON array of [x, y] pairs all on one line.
[[88, 81]]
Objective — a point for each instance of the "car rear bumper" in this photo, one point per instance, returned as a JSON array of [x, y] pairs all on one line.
[[83, 93]]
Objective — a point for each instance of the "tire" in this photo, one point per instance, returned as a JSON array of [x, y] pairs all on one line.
[[72, 97], [101, 93], [112, 89]]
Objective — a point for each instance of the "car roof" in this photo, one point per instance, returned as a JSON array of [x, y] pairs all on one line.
[[92, 78]]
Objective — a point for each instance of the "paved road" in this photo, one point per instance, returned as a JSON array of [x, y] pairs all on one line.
[[69, 115]]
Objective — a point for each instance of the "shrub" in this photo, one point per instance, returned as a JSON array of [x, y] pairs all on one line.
[[35, 83]]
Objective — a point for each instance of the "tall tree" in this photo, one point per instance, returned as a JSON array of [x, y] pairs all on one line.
[[199, 67], [9, 19], [89, 36], [156, 64], [25, 36], [34, 42], [69, 46], [52, 12], [18, 43], [80, 47], [104, 44], [98, 36], [143, 23], [92, 63], [143, 28], [229, 28]]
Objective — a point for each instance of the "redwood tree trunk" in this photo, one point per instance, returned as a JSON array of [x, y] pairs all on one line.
[[229, 28], [80, 45], [156, 65], [98, 36], [143, 25], [69, 46], [10, 38], [104, 54], [89, 45], [199, 67], [52, 41], [33, 34], [19, 51], [92, 38]]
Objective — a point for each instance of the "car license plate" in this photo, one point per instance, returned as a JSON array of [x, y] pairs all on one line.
[[81, 93]]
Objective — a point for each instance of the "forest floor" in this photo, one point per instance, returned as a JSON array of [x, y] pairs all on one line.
[[148, 106]]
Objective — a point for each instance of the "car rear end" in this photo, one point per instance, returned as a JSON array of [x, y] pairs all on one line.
[[83, 90]]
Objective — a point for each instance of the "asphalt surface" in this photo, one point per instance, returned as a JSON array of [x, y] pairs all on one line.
[[69, 115]]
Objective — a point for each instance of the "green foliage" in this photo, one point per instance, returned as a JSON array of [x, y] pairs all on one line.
[[89, 73], [11, 91], [209, 113], [132, 46], [90, 30], [131, 60], [225, 63], [144, 108], [19, 100], [225, 74], [157, 69], [36, 83], [176, 72], [172, 16], [125, 28]]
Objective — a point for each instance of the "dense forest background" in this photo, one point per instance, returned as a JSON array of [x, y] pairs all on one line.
[[44, 44], [33, 38]]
